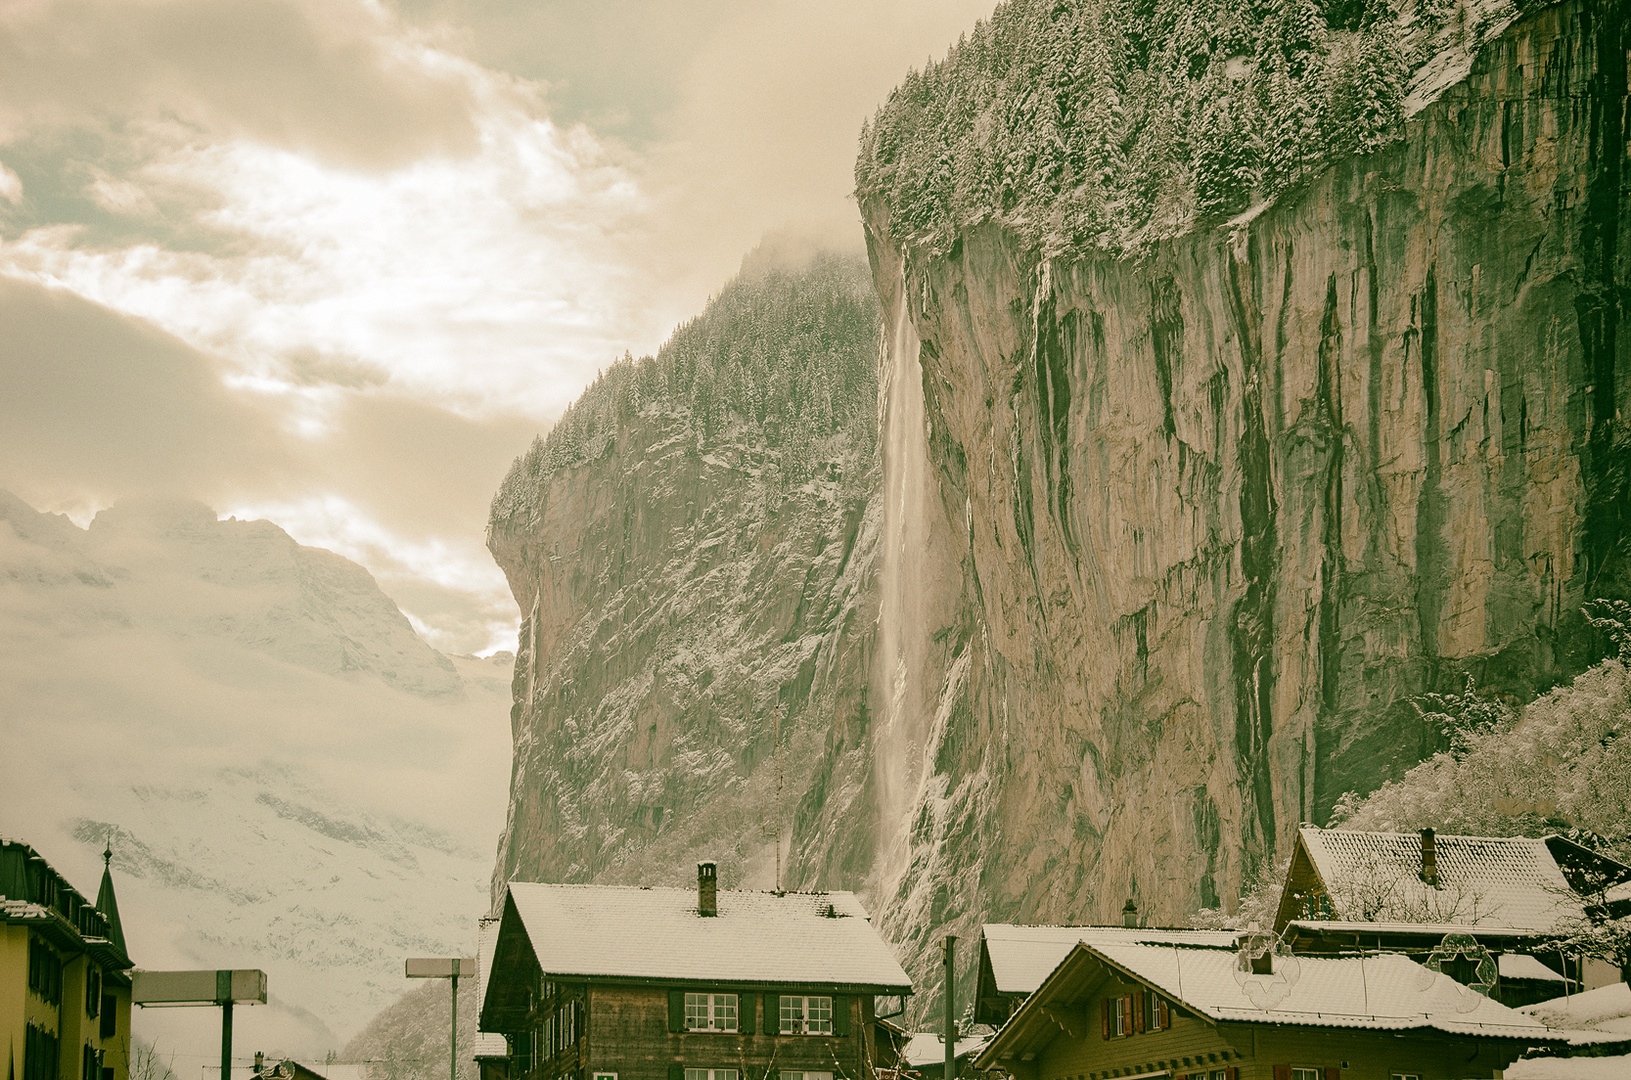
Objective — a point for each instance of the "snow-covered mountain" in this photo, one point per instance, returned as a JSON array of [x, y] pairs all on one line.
[[290, 777]]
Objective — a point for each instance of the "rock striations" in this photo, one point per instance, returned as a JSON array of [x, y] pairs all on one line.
[[692, 551], [1216, 514]]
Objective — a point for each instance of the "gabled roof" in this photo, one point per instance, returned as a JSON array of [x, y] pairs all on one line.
[[1605, 1011], [1379, 993], [611, 931], [488, 1044], [1023, 956], [1505, 881]]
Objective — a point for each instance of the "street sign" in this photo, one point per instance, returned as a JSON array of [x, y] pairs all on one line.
[[198, 987], [441, 967]]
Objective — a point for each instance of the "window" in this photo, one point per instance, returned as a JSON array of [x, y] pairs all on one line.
[[44, 972], [110, 1016], [1406, 1076], [89, 1067], [710, 1012], [806, 1016], [1299, 1073], [1157, 1012], [603, 1076], [39, 1054], [93, 990], [710, 1074], [795, 1074]]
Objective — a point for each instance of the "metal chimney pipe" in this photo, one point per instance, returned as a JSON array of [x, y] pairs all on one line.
[[1429, 858], [707, 889], [950, 947]]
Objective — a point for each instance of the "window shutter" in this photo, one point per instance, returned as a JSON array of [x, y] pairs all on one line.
[[1232, 1073], [840, 1014], [746, 1006], [1333, 1073], [1127, 1012], [1163, 1013], [1104, 1014], [676, 1016], [1282, 1072], [676, 1072], [1138, 1012]]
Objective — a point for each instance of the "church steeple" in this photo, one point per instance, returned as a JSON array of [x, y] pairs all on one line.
[[108, 904]]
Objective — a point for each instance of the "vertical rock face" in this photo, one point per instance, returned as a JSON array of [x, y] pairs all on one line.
[[1215, 515], [692, 551]]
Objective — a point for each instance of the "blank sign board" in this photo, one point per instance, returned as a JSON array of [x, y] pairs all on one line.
[[198, 987], [441, 967]]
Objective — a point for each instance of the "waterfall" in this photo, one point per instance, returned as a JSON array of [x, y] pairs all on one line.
[[898, 742]]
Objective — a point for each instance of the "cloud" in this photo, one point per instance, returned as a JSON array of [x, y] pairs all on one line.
[[330, 79], [95, 401]]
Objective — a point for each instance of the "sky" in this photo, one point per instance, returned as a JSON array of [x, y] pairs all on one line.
[[334, 263]]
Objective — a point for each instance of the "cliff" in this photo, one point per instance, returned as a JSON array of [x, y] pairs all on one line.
[[692, 551], [1203, 521]]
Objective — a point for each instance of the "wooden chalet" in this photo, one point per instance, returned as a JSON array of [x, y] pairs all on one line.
[[1347, 890], [1014, 960], [1151, 1011], [623, 983]]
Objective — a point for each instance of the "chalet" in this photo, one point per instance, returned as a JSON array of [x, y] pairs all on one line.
[[1147, 1010], [1400, 892], [622, 983], [491, 1052], [64, 973], [1014, 960]]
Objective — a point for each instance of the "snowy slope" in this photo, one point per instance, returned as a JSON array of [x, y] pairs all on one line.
[[290, 777]]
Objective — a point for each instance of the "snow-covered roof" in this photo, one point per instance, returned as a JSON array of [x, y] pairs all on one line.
[[1617, 1067], [1386, 992], [1508, 881], [1383, 927], [1606, 1010], [1523, 966], [488, 1044], [1023, 956], [927, 1048], [655, 933]]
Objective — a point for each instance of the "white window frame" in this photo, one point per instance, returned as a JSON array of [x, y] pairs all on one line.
[[804, 1074], [711, 1074], [1121, 1021], [603, 1076], [802, 1023], [1405, 1076], [1307, 1072], [710, 1010]]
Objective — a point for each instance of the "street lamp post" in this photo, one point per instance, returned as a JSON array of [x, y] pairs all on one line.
[[450, 968], [222, 987]]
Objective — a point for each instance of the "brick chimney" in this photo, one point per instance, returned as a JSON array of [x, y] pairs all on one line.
[[707, 889], [1129, 914], [1429, 858]]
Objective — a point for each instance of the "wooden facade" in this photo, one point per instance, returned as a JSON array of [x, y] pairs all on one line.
[[573, 1025], [1094, 1020], [64, 974]]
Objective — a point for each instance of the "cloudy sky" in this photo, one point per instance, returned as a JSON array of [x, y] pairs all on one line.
[[335, 262]]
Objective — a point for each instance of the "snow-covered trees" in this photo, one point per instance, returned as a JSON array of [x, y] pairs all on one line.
[[1109, 124], [790, 353]]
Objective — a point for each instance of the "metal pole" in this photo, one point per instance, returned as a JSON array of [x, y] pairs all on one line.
[[951, 1008], [453, 1036], [226, 1039]]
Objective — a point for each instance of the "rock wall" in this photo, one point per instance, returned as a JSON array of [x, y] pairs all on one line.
[[1214, 516], [695, 652]]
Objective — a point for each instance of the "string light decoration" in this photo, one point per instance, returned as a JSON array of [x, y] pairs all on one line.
[[1466, 949], [1265, 969]]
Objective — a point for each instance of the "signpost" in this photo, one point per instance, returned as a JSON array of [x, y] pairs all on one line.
[[222, 987], [451, 968]]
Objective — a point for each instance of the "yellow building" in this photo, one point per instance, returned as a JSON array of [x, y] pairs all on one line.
[[64, 974]]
